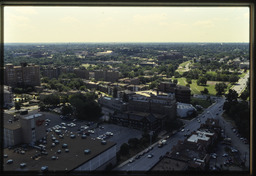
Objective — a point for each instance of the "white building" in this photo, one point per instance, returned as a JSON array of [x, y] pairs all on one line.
[[184, 110]]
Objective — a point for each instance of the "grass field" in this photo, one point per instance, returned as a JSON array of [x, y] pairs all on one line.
[[195, 89], [181, 68], [87, 65]]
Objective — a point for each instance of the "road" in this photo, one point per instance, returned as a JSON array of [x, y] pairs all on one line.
[[144, 163], [241, 84]]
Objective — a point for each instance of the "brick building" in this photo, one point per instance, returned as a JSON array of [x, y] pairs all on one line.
[[23, 75], [106, 75], [182, 93]]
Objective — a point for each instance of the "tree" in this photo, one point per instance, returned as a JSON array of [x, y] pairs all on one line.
[[232, 96], [233, 78], [86, 108], [175, 81], [41, 106], [201, 81], [53, 100], [153, 85], [133, 142], [245, 94], [66, 109], [189, 80], [220, 88], [124, 149], [205, 91], [17, 106]]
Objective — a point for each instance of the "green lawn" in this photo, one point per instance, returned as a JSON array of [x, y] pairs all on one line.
[[181, 70], [87, 65], [195, 89]]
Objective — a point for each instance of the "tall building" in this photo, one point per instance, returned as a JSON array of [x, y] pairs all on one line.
[[146, 101], [55, 72], [23, 75], [51, 72], [182, 93], [81, 73], [106, 75]]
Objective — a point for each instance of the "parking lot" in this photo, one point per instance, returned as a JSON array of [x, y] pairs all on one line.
[[109, 132], [223, 159], [120, 134]]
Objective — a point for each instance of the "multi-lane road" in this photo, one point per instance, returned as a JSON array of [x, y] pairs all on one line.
[[241, 84], [214, 111]]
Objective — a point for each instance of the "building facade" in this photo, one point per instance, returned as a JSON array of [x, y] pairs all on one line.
[[106, 75], [27, 129], [182, 93], [8, 97], [159, 104], [23, 75]]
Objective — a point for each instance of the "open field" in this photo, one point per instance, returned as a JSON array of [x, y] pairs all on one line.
[[87, 65], [182, 67], [195, 89]]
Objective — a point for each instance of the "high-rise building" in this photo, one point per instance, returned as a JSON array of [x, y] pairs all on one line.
[[182, 93], [106, 75], [23, 75]]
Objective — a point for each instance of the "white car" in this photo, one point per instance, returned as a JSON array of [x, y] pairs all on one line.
[[150, 155]]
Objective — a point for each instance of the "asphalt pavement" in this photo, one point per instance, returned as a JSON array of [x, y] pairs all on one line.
[[214, 111]]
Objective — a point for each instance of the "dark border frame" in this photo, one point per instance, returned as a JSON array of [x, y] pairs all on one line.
[[143, 3]]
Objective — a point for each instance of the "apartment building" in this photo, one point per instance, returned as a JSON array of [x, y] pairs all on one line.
[[182, 93], [106, 75], [23, 75]]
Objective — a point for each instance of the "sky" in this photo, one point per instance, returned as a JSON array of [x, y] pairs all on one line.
[[125, 24]]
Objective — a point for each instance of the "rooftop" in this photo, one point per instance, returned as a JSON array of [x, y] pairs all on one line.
[[10, 123], [32, 116], [65, 161]]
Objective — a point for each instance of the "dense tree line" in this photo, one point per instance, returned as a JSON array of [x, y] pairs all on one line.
[[64, 83], [82, 106], [239, 112]]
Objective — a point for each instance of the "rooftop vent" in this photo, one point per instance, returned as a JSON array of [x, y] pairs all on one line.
[[22, 165], [87, 151], [103, 142]]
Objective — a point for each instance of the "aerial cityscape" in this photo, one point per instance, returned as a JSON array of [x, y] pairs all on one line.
[[125, 106]]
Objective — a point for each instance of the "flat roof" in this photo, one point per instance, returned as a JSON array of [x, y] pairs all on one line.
[[196, 137], [10, 125], [66, 161], [32, 116], [170, 165]]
